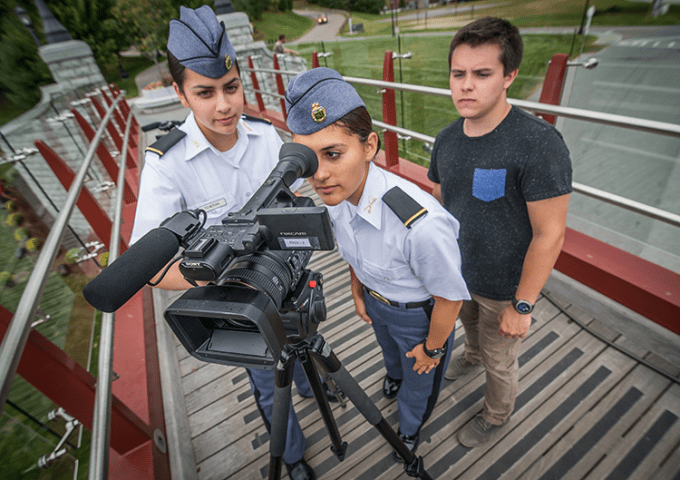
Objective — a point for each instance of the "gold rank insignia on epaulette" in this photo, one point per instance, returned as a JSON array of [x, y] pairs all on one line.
[[404, 206], [255, 119], [166, 142]]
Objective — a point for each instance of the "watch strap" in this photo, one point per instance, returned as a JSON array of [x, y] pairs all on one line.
[[437, 352]]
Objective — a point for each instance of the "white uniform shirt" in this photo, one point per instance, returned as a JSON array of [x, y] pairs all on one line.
[[194, 174], [402, 264]]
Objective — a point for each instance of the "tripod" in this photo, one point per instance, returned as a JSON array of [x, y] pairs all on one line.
[[317, 349]]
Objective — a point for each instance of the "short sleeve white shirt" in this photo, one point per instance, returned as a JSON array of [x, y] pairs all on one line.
[[402, 264]]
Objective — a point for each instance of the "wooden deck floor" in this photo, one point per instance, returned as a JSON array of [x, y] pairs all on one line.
[[584, 410]]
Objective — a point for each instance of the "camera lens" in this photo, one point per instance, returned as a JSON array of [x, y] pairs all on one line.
[[266, 271]]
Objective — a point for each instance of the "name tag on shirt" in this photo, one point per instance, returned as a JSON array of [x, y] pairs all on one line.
[[213, 205]]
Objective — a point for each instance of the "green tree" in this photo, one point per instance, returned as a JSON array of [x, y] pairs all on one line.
[[147, 23], [254, 8], [22, 72], [95, 24]]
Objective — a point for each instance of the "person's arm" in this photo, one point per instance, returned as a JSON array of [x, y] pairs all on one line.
[[358, 296], [442, 323], [548, 220], [437, 192]]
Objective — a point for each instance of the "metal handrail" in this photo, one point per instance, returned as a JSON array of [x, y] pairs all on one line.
[[640, 124], [101, 419], [269, 70], [262, 92], [14, 342]]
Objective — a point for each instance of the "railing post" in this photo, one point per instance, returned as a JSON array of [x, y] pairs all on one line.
[[315, 60], [551, 93], [390, 113], [256, 85], [280, 87]]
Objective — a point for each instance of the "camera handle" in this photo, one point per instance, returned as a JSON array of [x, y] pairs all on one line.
[[310, 352]]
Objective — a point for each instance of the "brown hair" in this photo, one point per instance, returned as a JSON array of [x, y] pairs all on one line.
[[358, 122], [492, 30], [177, 70]]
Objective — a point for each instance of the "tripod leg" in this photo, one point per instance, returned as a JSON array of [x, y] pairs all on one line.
[[279, 427], [339, 447], [413, 465]]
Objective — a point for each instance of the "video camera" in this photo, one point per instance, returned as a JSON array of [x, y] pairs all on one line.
[[262, 296]]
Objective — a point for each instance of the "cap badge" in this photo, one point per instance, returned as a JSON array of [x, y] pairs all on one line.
[[318, 113], [228, 62]]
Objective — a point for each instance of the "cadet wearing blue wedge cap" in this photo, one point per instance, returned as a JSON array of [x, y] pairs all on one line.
[[200, 43], [214, 161], [317, 98], [399, 241]]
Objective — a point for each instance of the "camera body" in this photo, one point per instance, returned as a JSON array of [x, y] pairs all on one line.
[[284, 224], [262, 296]]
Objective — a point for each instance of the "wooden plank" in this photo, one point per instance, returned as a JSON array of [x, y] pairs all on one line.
[[651, 444], [595, 434], [449, 458], [555, 415]]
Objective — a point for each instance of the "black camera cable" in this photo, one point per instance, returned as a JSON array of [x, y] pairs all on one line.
[[613, 345]]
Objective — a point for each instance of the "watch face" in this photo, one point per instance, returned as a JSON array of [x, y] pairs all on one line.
[[523, 307]]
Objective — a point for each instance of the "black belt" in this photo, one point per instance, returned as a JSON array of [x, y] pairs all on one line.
[[377, 296]]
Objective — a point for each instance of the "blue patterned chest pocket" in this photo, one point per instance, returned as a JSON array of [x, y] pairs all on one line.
[[488, 184]]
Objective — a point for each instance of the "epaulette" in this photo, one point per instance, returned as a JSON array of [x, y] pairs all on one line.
[[404, 206], [166, 142], [255, 119]]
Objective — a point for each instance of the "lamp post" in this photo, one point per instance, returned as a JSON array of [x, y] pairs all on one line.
[[25, 19]]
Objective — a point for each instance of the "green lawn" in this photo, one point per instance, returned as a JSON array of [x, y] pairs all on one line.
[[276, 23]]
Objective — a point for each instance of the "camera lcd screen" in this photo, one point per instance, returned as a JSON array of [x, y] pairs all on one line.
[[298, 228]]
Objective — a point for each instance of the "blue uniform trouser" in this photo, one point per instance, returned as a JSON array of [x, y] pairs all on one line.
[[398, 330], [262, 383]]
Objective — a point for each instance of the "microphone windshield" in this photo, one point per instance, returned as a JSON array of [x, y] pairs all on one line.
[[118, 282]]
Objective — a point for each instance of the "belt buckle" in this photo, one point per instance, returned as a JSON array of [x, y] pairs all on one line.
[[376, 295]]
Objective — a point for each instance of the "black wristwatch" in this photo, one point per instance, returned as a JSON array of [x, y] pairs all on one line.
[[522, 306], [436, 353]]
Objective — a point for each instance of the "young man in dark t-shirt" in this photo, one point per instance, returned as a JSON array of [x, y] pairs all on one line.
[[506, 176]]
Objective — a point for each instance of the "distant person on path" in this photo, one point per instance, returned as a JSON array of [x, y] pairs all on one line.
[[399, 241], [506, 176], [280, 49]]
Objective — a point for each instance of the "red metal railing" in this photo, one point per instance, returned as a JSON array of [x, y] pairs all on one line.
[[137, 420]]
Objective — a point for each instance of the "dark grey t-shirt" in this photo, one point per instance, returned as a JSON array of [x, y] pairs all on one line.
[[486, 182]]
